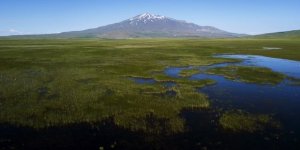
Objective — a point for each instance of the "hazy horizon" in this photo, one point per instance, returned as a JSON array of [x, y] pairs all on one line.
[[54, 16]]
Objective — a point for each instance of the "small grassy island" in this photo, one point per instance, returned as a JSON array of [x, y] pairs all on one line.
[[249, 74], [241, 121]]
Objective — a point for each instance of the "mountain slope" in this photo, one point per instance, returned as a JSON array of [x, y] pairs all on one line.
[[147, 26], [286, 34]]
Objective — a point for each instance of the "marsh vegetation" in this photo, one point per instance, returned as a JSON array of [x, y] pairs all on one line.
[[143, 86], [249, 74], [239, 121]]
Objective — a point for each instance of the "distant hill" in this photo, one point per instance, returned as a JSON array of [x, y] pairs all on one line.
[[286, 34], [146, 26]]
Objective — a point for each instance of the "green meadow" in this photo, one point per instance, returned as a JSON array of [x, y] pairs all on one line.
[[54, 82]]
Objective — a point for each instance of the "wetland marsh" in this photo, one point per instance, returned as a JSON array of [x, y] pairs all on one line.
[[149, 94]]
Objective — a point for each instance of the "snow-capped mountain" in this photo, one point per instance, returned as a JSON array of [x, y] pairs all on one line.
[[151, 26], [147, 17]]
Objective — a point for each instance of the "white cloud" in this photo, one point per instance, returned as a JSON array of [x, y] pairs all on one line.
[[10, 32]]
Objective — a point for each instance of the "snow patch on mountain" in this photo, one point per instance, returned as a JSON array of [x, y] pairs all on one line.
[[147, 17]]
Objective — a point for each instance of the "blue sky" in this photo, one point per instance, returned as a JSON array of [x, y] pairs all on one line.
[[240, 16]]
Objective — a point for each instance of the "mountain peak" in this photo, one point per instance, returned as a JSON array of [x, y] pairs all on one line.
[[148, 16]]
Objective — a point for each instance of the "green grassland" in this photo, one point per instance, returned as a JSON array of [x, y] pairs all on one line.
[[50, 82], [287, 34]]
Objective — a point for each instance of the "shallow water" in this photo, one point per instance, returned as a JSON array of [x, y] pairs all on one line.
[[271, 48], [140, 80], [288, 67], [282, 100]]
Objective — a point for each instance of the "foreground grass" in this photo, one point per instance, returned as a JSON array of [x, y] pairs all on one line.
[[56, 82]]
